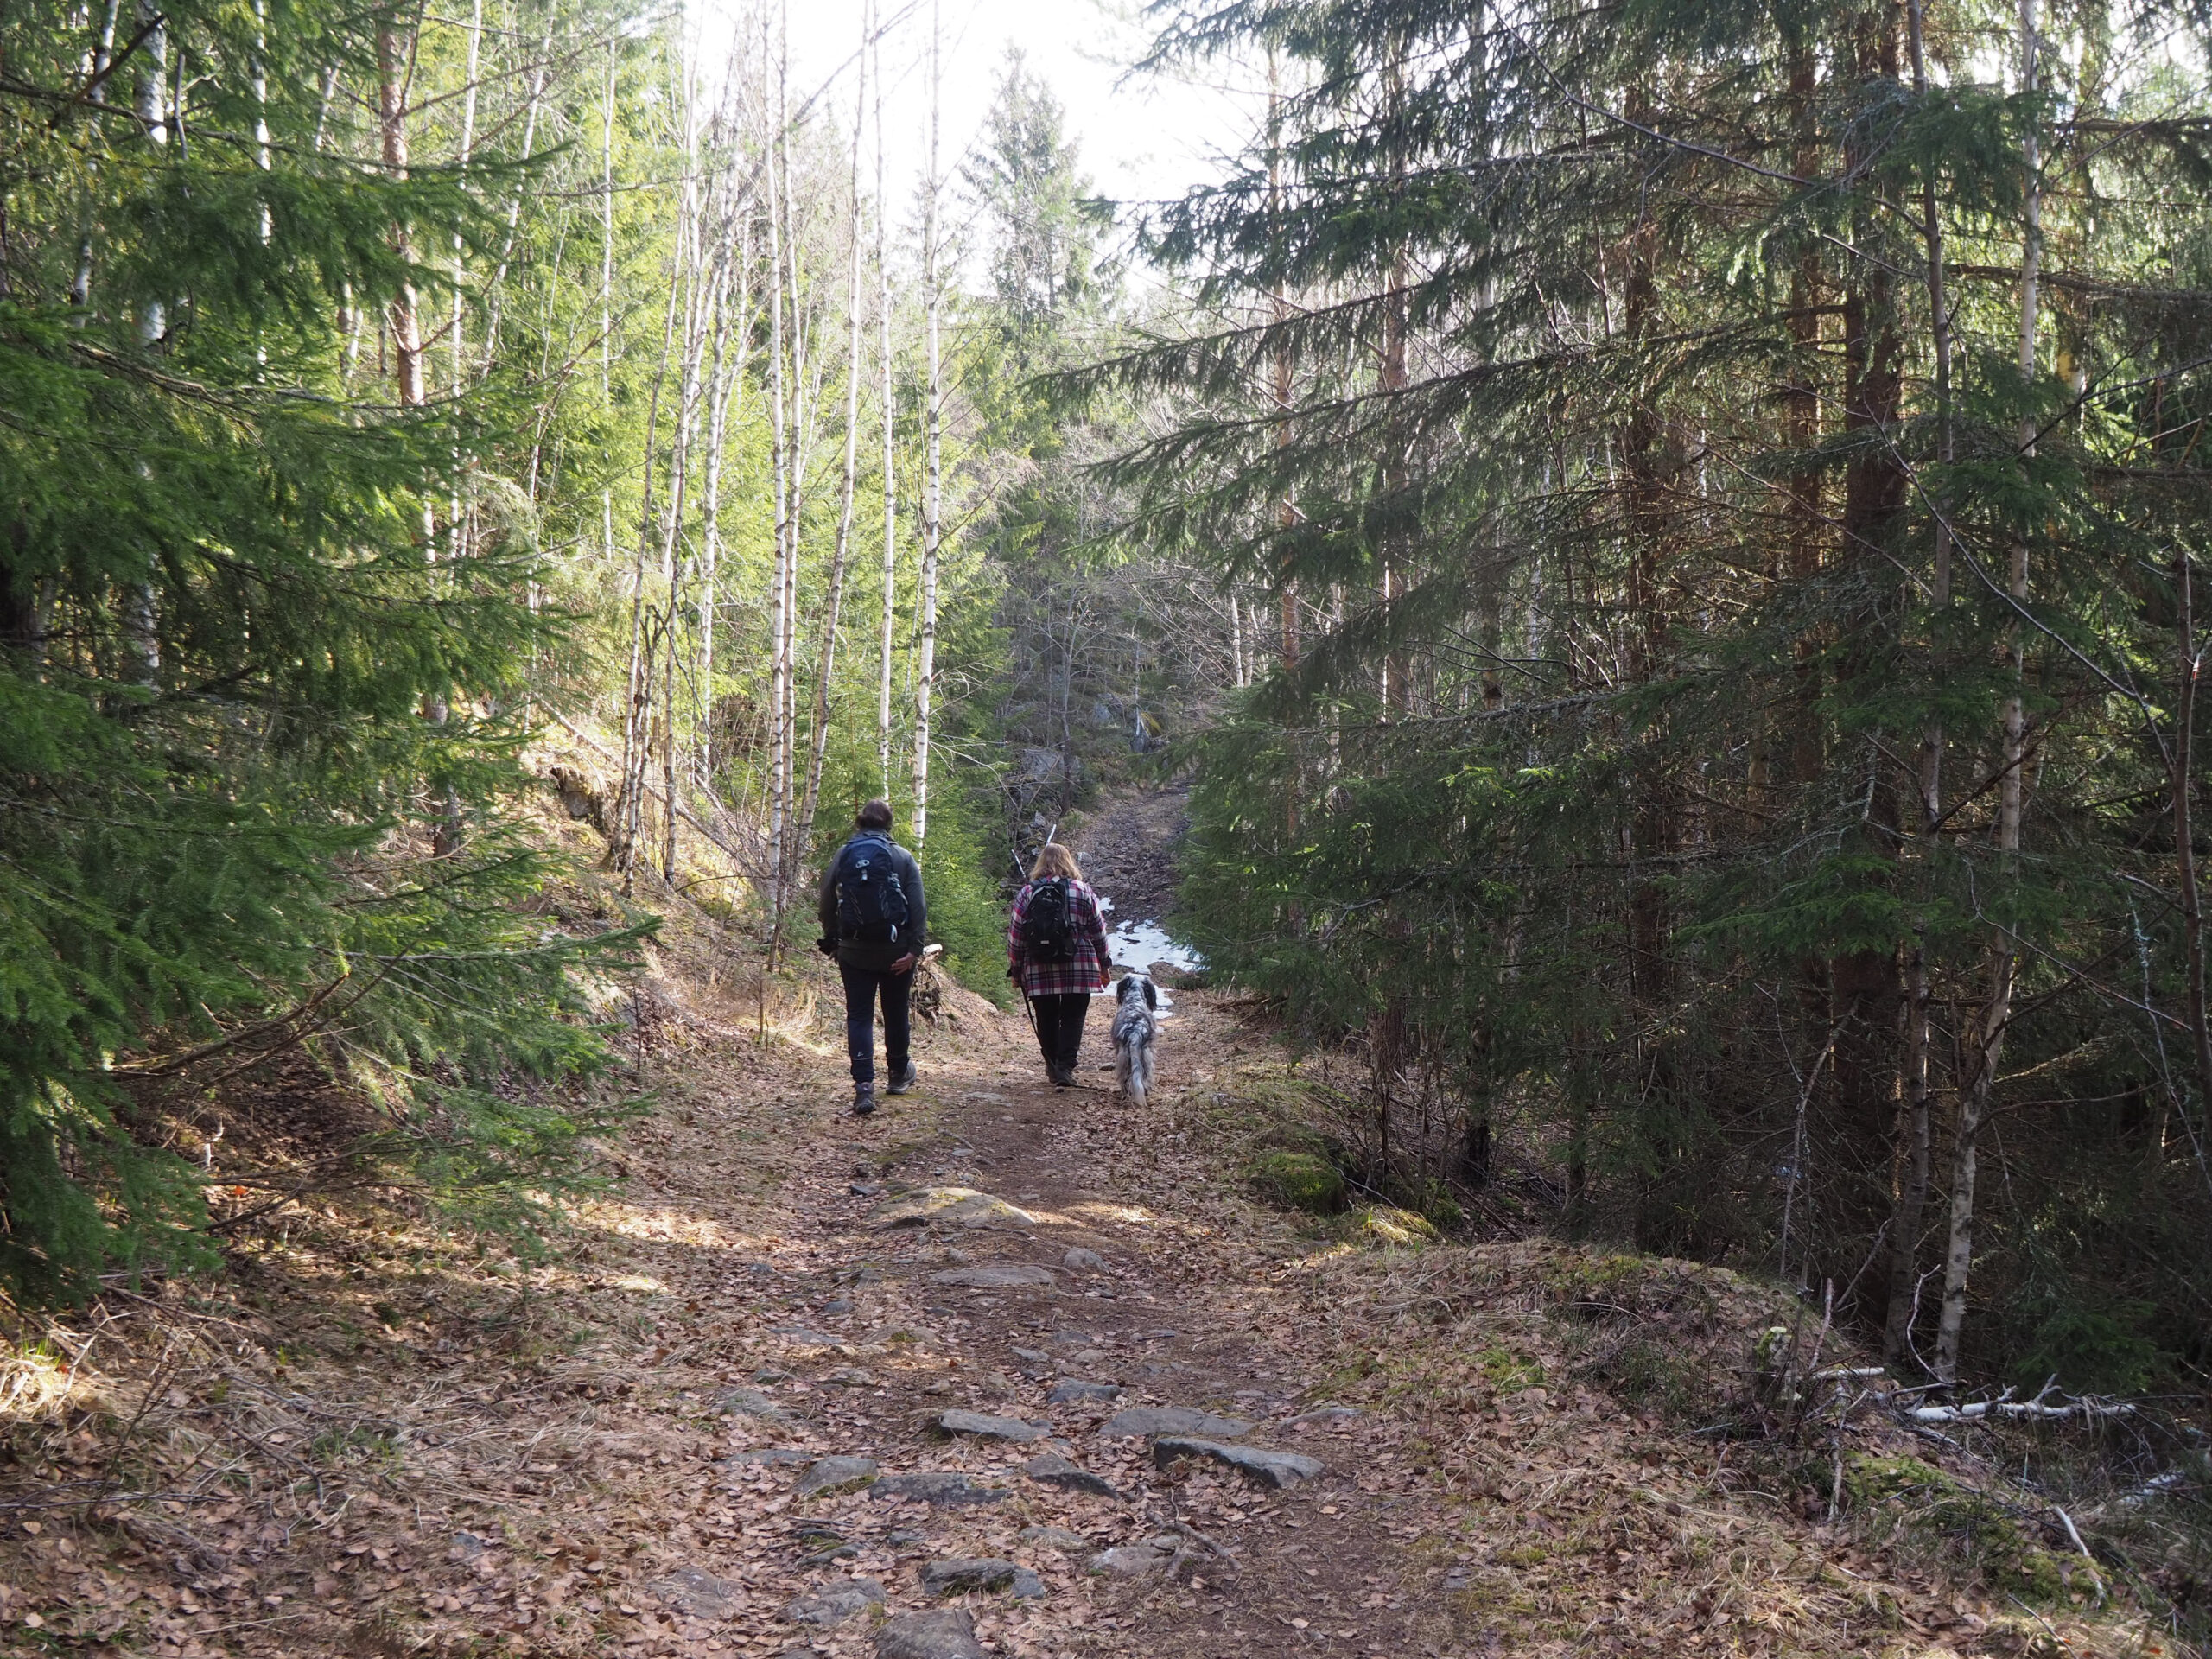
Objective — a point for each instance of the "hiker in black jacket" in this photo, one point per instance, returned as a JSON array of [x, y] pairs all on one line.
[[873, 921]]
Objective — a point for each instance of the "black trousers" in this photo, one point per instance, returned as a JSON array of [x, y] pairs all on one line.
[[1059, 1027], [862, 987]]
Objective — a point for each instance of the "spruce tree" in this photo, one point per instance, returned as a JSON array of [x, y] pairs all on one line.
[[1665, 643], [246, 661]]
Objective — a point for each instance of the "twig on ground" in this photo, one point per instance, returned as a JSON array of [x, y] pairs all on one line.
[[2075, 1533]]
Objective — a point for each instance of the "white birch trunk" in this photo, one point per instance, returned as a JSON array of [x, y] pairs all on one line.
[[933, 488], [467, 154], [695, 307], [729, 374], [142, 625], [496, 289], [1997, 1012], [890, 422], [778, 449], [80, 288], [638, 704], [607, 232], [799, 425], [820, 738], [393, 55]]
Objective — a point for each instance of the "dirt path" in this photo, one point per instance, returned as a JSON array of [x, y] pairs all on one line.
[[394, 1446]]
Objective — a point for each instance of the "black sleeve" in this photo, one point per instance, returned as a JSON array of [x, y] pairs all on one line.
[[918, 904]]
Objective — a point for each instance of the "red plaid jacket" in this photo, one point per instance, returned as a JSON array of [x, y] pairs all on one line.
[[1084, 971]]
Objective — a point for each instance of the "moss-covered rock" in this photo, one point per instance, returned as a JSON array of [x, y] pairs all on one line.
[[1301, 1180], [1920, 1498]]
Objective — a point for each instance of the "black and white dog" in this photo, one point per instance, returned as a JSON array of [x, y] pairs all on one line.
[[1135, 1030]]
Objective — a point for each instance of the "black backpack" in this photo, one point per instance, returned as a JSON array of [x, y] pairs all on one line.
[[1047, 926], [871, 899]]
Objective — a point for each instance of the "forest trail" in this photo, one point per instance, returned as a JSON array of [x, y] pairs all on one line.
[[374, 1447]]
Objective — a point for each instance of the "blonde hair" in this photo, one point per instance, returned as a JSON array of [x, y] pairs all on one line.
[[1054, 860]]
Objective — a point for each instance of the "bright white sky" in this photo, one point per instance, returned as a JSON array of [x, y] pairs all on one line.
[[1136, 139]]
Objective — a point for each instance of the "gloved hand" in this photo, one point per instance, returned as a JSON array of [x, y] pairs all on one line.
[[827, 947]]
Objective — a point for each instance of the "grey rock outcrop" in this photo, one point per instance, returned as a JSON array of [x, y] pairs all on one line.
[[985, 1427], [962, 1205], [834, 1602], [1134, 1560], [827, 1476], [1278, 1469], [752, 1403], [950, 1577], [1137, 1420], [700, 1595], [933, 1487], [1057, 1538], [1053, 1470], [1073, 1390], [948, 1633]]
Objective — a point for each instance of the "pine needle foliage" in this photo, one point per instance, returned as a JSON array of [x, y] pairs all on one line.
[[1657, 569], [247, 662]]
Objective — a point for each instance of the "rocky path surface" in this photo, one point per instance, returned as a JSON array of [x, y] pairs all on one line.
[[1004, 1369], [1018, 1370], [1012, 1376]]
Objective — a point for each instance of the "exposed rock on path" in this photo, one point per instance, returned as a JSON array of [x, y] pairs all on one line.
[[947, 1635], [1253, 1462], [1140, 1420], [984, 1427]]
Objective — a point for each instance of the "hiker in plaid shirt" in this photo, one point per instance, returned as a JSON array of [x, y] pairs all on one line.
[[1058, 990]]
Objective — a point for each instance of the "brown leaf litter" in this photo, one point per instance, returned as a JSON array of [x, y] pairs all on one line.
[[372, 1438]]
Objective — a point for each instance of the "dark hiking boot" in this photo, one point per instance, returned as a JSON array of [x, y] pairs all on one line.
[[863, 1099], [901, 1080]]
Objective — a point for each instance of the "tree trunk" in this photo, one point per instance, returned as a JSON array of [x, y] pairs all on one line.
[[141, 621], [1285, 509], [606, 230], [1997, 1012], [1866, 986], [1652, 827], [395, 56], [933, 491], [729, 375], [829, 657], [638, 708], [697, 309], [1394, 382], [468, 151], [779, 468], [1913, 1154], [890, 420], [2180, 773], [799, 427]]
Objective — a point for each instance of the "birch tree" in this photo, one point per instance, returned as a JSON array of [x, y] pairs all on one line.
[[933, 419]]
